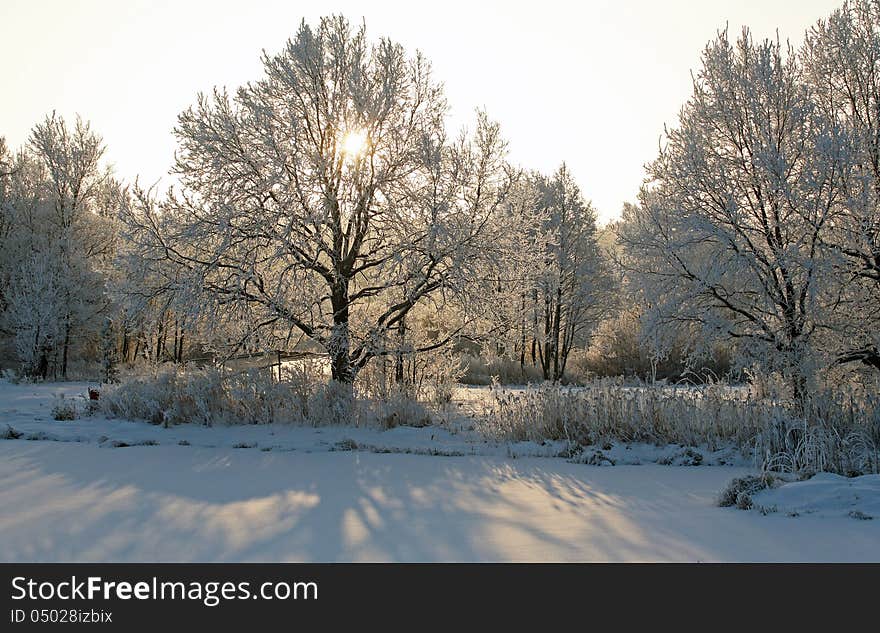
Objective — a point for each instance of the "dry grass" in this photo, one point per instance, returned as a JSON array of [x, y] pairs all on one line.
[[833, 432], [171, 396]]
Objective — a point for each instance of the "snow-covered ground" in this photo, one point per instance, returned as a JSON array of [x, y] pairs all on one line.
[[824, 495], [297, 494], [77, 501]]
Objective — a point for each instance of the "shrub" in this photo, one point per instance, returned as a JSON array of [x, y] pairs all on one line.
[[427, 377], [11, 376], [401, 410], [10, 433], [739, 491], [210, 396], [205, 396], [609, 410], [333, 404], [63, 408]]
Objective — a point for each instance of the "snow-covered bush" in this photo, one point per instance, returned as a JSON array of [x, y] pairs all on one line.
[[437, 373], [401, 410], [608, 410], [740, 490], [63, 409], [205, 396], [11, 376], [428, 377], [333, 404], [10, 433]]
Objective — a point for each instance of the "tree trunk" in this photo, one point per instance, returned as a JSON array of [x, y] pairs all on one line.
[[522, 330], [547, 352], [125, 345], [534, 327], [43, 365], [340, 366], [179, 349], [339, 346], [401, 339], [557, 316], [66, 347], [160, 338]]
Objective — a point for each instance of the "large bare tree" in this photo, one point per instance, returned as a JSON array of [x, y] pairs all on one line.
[[326, 197]]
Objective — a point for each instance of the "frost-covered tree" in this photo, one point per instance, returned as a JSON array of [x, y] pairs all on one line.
[[6, 171], [728, 235], [841, 57], [326, 197], [29, 271], [77, 188], [503, 291], [58, 239], [35, 313], [555, 281], [574, 288], [109, 353], [7, 167]]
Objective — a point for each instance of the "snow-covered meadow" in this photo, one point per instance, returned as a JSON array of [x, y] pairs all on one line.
[[116, 490]]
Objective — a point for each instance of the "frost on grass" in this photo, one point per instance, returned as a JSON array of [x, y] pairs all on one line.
[[63, 409], [739, 491], [214, 396], [10, 433], [824, 431]]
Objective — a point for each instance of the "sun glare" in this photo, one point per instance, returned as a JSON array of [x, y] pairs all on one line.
[[354, 143]]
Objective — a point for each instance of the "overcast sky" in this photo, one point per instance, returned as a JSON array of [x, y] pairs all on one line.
[[589, 83]]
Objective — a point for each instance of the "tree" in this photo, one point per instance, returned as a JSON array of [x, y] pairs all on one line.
[[553, 282], [58, 232], [503, 291], [326, 197], [36, 311], [31, 277], [148, 304], [573, 290], [841, 56], [76, 187], [728, 234], [7, 169]]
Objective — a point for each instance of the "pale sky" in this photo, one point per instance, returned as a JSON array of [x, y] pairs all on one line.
[[589, 83]]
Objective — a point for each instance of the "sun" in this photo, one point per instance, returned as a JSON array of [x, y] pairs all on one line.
[[354, 143]]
